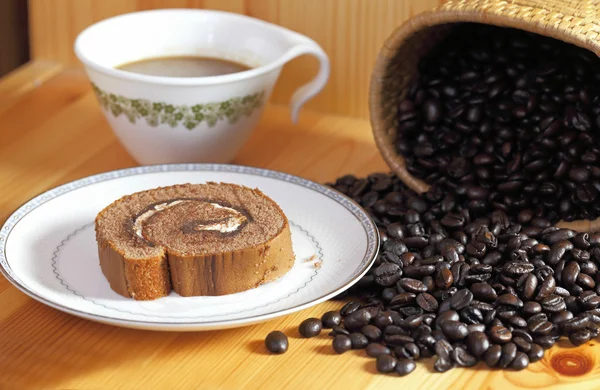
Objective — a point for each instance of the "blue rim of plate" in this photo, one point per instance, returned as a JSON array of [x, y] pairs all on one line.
[[359, 213]]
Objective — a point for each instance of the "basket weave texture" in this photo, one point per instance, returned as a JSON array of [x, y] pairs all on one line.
[[572, 21]]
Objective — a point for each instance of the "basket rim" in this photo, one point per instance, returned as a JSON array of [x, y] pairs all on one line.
[[435, 17]]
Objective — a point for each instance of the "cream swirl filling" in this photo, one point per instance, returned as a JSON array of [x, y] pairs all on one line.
[[231, 224]]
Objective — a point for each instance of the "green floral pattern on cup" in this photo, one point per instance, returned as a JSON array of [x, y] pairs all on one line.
[[156, 113]]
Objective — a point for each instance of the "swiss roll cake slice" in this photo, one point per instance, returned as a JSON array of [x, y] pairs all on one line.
[[196, 239]]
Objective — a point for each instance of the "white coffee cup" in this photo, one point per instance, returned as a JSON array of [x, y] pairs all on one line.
[[190, 119]]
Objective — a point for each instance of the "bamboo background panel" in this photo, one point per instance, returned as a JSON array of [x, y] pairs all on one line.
[[350, 31]]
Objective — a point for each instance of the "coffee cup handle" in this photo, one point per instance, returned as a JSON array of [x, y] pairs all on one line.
[[313, 87]]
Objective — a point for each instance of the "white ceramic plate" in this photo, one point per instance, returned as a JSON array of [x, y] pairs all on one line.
[[48, 249]]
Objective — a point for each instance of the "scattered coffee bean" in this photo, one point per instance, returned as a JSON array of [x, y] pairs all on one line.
[[520, 361], [536, 353], [276, 342], [509, 352], [310, 327], [580, 337], [341, 343], [331, 319], [376, 349], [405, 366], [386, 363]]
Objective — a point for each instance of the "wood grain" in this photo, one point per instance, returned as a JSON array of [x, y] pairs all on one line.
[[350, 31], [67, 138]]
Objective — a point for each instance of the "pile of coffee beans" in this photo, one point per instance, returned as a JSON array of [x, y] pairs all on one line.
[[462, 288], [505, 127], [508, 118]]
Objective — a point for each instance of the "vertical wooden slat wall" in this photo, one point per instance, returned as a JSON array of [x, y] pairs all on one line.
[[14, 49], [350, 31]]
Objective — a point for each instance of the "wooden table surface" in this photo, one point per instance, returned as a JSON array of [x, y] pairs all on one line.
[[53, 131]]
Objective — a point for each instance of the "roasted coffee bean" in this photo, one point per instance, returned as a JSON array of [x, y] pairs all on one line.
[[589, 300], [358, 319], [412, 285], [537, 317], [397, 340], [536, 353], [443, 350], [499, 334], [559, 235], [406, 311], [341, 343], [509, 300], [427, 302], [386, 363], [520, 362], [522, 333], [349, 308], [413, 322], [477, 343], [387, 294], [405, 366], [483, 292], [394, 329], [461, 299], [561, 316], [358, 340], [553, 303], [492, 355], [386, 274], [586, 281], [471, 315], [570, 273], [522, 344], [531, 307], [483, 306], [310, 327], [277, 342], [383, 319], [371, 332], [540, 327], [402, 299], [419, 271], [516, 321], [546, 289], [463, 358], [331, 319], [454, 330], [509, 352], [444, 278], [449, 315], [408, 351], [580, 337], [376, 349], [544, 341], [339, 330]]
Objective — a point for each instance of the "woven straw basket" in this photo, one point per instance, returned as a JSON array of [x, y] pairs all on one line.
[[572, 21]]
